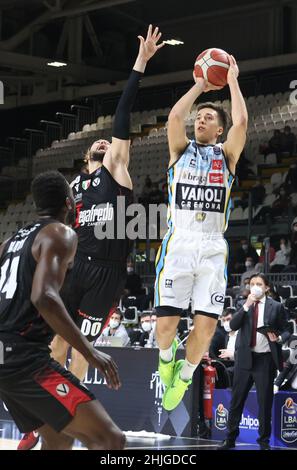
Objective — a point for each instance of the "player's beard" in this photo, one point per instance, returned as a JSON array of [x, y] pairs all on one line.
[[97, 156]]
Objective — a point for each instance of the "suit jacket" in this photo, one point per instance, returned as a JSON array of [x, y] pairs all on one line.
[[274, 316]]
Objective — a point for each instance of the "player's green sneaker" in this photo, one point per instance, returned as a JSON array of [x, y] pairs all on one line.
[[174, 393], [166, 368]]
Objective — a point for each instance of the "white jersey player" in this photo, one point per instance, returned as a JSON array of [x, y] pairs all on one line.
[[192, 260]]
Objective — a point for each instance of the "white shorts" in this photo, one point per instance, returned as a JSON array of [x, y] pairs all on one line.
[[192, 267]]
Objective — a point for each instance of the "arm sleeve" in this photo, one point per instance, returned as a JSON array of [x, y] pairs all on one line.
[[121, 124]]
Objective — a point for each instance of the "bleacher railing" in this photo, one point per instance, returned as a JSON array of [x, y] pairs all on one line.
[[147, 273], [277, 279]]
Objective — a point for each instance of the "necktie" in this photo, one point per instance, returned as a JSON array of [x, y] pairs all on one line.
[[255, 324]]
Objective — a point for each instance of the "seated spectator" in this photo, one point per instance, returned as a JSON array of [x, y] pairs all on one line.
[[264, 148], [281, 205], [219, 339], [140, 336], [258, 193], [260, 266], [146, 191], [116, 329], [156, 196], [282, 256], [250, 270], [292, 267], [242, 168], [228, 353], [291, 178], [133, 288], [243, 293], [245, 250], [152, 343], [275, 143], [287, 378], [273, 293], [288, 141]]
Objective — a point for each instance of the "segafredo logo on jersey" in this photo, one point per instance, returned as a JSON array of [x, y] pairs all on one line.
[[205, 198], [289, 421], [96, 215], [221, 417]]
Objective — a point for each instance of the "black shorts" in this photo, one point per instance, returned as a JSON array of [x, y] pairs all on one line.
[[49, 396], [90, 290]]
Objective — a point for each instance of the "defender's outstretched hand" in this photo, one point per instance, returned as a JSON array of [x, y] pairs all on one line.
[[148, 47]]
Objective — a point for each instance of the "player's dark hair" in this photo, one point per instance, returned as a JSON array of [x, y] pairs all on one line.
[[145, 314], [49, 190], [223, 115]]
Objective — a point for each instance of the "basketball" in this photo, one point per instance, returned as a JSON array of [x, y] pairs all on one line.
[[212, 65]]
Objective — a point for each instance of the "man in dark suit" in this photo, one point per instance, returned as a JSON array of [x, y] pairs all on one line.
[[257, 357]]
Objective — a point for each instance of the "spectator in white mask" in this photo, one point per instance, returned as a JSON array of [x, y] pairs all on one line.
[[115, 328]]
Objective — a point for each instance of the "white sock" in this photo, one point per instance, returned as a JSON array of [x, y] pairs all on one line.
[[166, 354], [187, 370]]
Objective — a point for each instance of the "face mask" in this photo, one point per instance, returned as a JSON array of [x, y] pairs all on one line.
[[226, 326], [244, 247], [146, 326], [247, 287], [130, 270], [114, 324], [248, 264], [257, 291]]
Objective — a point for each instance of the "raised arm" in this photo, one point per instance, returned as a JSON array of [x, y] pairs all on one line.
[[54, 249], [237, 134], [116, 159]]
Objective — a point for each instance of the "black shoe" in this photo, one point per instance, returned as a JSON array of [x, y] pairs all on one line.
[[226, 445], [264, 445]]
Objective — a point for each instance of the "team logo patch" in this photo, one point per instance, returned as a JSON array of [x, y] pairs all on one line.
[[217, 150], [86, 184], [62, 390], [76, 181], [216, 178], [200, 216], [217, 165], [96, 182], [289, 421], [168, 283], [221, 417], [217, 298], [192, 163]]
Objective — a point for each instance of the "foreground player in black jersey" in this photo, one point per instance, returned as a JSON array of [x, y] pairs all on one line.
[[39, 393], [98, 278]]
